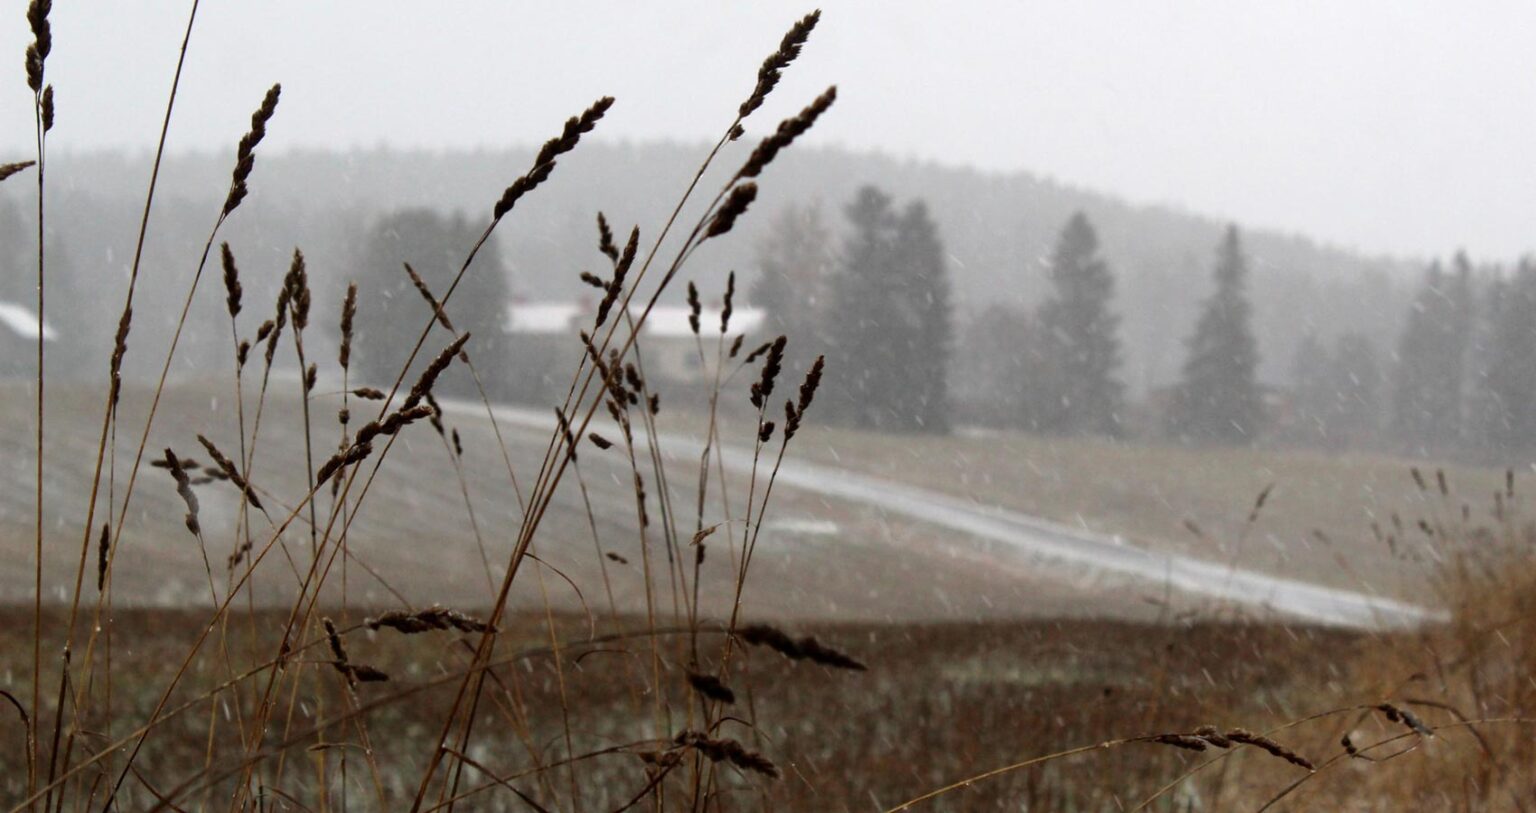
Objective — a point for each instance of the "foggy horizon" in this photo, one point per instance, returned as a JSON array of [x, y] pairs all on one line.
[[1343, 124]]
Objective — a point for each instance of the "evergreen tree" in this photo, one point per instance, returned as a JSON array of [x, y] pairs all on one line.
[[1218, 398], [392, 313], [1511, 375], [795, 262], [1079, 345], [862, 312], [927, 333], [889, 323], [1431, 374]]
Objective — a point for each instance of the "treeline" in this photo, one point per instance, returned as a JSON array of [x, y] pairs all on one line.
[[1461, 378], [998, 230], [879, 308]]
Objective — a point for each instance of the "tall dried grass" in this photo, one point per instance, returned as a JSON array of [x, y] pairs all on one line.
[[324, 705]]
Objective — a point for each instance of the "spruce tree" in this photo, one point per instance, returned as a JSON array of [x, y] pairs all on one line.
[[927, 333], [862, 315], [1431, 375], [890, 322], [1511, 375], [1218, 398], [390, 319], [1079, 345]]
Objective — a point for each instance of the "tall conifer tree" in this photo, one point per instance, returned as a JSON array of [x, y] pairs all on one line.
[[1219, 398], [1079, 341]]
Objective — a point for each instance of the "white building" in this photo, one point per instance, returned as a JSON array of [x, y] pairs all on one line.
[[668, 347]]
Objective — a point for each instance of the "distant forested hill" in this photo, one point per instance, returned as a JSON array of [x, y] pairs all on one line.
[[996, 228]]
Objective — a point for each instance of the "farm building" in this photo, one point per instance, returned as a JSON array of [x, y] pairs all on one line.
[[544, 343]]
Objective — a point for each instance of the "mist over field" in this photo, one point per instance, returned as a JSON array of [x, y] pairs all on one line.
[[688, 407]]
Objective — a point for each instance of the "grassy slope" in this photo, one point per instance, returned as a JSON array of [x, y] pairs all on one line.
[[1150, 494]]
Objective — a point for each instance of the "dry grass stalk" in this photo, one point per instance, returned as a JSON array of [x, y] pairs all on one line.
[[763, 387], [565, 431], [280, 319], [1245, 737], [392, 423], [1213, 735], [794, 412], [694, 307], [232, 290], [1258, 503], [796, 649], [184, 488], [727, 750], [1184, 741], [426, 293], [355, 673], [432, 618], [119, 349], [7, 170], [429, 376], [1405, 717], [789, 130], [353, 454], [544, 162], [348, 314], [42, 42], [621, 267], [245, 156], [47, 108], [436, 416], [711, 687], [773, 67], [605, 242], [758, 352], [727, 305], [103, 545], [231, 472], [734, 206]]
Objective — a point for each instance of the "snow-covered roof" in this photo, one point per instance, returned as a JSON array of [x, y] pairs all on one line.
[[672, 320], [664, 320], [22, 321], [542, 317]]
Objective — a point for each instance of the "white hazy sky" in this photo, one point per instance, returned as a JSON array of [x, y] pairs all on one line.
[[1388, 126]]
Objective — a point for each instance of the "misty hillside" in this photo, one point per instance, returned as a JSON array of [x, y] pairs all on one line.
[[997, 229]]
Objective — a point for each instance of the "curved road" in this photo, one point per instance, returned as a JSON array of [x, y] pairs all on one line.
[[1048, 541]]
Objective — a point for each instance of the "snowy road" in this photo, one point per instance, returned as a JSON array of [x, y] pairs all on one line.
[[1050, 544]]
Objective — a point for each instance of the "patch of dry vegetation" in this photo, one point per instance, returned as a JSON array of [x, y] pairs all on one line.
[[322, 703]]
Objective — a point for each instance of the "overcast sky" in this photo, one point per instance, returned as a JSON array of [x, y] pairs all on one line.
[[1402, 127]]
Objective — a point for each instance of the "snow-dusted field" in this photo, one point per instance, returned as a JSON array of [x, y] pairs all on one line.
[[837, 543]]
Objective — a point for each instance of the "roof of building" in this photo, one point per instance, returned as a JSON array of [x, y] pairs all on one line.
[[22, 321], [546, 318]]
